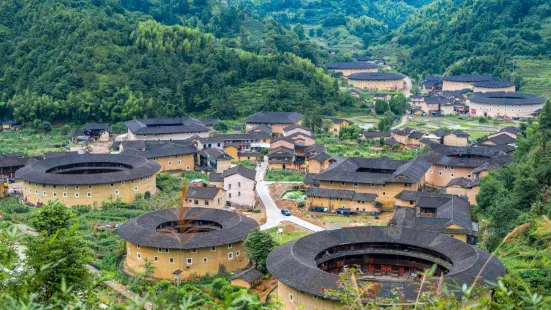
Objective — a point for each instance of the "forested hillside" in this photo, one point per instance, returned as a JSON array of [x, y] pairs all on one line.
[[338, 23], [76, 60], [475, 36]]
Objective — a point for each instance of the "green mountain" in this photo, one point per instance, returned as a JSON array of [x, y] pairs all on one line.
[[80, 60], [347, 25], [479, 36]]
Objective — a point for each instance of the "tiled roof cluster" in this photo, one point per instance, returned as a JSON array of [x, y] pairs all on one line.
[[468, 157], [157, 148], [166, 125], [264, 117]]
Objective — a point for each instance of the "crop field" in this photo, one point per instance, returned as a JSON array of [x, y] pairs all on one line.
[[32, 143], [536, 74], [470, 125]]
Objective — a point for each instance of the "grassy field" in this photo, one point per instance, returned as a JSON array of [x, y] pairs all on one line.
[[278, 175], [32, 143], [285, 237], [536, 72], [467, 124], [346, 148]]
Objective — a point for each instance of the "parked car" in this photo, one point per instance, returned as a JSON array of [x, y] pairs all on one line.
[[286, 212]]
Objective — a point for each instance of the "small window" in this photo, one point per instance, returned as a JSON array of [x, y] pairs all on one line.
[[159, 250], [384, 193], [439, 172], [229, 186], [112, 184], [356, 184], [36, 191], [167, 250], [64, 186], [188, 261], [138, 246], [451, 167], [116, 192], [372, 185], [230, 255], [54, 186], [170, 163], [77, 195], [64, 194], [88, 194], [469, 176], [179, 162], [76, 187], [206, 202], [155, 258], [451, 175], [54, 194], [89, 186], [205, 260], [196, 201], [187, 168], [44, 193], [238, 194], [230, 246], [139, 256], [238, 184], [237, 253], [171, 260], [445, 167], [383, 186], [342, 183], [290, 297], [430, 170], [193, 250], [135, 188], [122, 183], [229, 195], [213, 249]]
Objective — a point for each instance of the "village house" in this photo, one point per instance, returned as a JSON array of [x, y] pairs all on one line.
[[239, 185], [282, 157], [173, 156], [241, 146], [374, 135], [294, 129], [248, 278], [335, 199], [377, 80], [456, 138], [463, 81], [348, 68], [318, 163], [213, 160], [409, 137], [464, 187], [180, 128], [449, 162], [10, 125], [337, 124], [441, 213], [381, 176], [380, 96], [432, 83], [275, 120], [97, 132], [504, 104], [394, 145], [205, 197], [354, 92]]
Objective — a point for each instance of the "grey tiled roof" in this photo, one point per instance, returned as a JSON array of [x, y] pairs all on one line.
[[321, 157], [502, 139], [494, 84], [510, 129], [216, 177], [155, 149], [265, 117], [459, 133], [391, 141], [468, 157], [127, 167], [96, 126], [463, 182], [215, 154], [165, 125], [203, 192], [142, 230], [249, 275], [376, 134], [309, 181], [375, 170], [468, 78], [506, 98], [262, 127], [294, 263], [295, 126], [241, 170]]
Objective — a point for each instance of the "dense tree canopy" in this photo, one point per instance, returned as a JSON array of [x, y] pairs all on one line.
[[93, 61]]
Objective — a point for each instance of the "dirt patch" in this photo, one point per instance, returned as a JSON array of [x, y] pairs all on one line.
[[292, 227], [277, 189], [100, 147], [260, 217], [264, 288]]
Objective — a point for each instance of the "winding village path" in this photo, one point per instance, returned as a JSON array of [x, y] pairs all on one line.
[[273, 213]]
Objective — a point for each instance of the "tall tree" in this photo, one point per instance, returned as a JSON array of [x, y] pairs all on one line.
[[257, 247]]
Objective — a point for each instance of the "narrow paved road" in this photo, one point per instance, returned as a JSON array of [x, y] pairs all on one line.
[[273, 213], [402, 122]]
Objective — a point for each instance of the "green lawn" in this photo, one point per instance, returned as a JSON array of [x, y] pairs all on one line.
[[251, 164], [285, 236], [279, 175]]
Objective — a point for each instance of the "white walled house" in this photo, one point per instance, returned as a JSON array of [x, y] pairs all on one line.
[[239, 183]]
